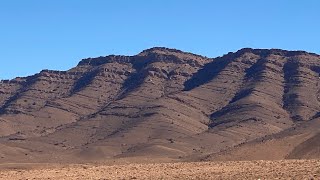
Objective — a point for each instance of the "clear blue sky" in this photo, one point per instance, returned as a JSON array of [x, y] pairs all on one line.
[[39, 34]]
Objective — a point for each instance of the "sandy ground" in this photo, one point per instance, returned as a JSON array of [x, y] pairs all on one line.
[[286, 169]]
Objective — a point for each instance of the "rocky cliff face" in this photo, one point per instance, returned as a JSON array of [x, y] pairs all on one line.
[[160, 103]]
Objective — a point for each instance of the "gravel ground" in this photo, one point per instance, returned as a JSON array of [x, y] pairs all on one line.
[[284, 169]]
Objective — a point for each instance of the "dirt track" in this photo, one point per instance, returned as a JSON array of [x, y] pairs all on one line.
[[288, 169]]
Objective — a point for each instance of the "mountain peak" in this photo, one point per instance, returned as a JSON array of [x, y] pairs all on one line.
[[161, 49], [266, 52], [170, 52]]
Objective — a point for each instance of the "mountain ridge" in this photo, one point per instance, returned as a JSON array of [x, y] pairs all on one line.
[[242, 50], [163, 103]]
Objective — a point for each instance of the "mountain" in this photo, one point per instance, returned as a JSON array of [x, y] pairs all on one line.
[[166, 104]]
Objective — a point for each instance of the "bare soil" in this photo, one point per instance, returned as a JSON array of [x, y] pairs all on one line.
[[283, 169]]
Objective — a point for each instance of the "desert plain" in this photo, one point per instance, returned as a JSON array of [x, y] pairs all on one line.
[[281, 169]]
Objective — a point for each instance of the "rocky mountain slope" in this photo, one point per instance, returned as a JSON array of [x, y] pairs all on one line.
[[165, 103]]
